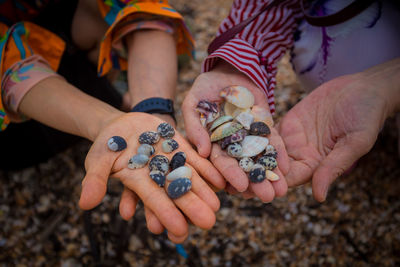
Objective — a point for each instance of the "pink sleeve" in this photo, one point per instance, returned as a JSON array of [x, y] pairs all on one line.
[[256, 50], [19, 79]]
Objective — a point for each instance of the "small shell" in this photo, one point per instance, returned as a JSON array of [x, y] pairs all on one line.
[[262, 114], [209, 111], [257, 173], [221, 120], [259, 128], [234, 138], [149, 137], [138, 161], [238, 95], [246, 164], [229, 109], [178, 160], [268, 162], [169, 145], [271, 175], [253, 145], [270, 151], [116, 143], [181, 172], [158, 177], [159, 163], [245, 119], [225, 130], [234, 150], [146, 149], [179, 187], [166, 130]]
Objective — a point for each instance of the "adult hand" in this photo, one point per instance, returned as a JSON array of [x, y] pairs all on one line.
[[207, 86], [198, 205], [330, 129]]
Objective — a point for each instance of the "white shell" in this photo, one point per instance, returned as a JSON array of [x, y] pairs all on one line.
[[262, 114], [181, 172], [271, 175], [229, 109], [245, 119], [253, 145], [238, 95]]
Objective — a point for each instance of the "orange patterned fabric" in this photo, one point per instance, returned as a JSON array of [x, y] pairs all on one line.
[[116, 16]]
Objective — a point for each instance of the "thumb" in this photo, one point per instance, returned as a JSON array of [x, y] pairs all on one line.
[[344, 154], [94, 185], [195, 132]]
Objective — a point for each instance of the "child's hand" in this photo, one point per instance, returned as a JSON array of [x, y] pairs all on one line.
[[207, 87], [198, 205]]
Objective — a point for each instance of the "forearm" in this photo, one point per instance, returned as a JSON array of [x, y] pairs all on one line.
[[152, 65], [58, 104]]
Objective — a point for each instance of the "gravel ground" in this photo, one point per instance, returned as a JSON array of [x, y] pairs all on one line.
[[358, 225]]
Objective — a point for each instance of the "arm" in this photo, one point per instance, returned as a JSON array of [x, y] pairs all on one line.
[[152, 66], [339, 122], [257, 49]]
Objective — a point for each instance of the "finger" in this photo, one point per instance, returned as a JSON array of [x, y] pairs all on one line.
[[205, 169], [127, 204], [283, 159], [98, 165], [229, 168], [264, 191], [195, 132], [344, 154], [230, 189], [248, 194], [155, 198], [153, 224], [197, 211], [177, 239], [203, 191], [280, 186]]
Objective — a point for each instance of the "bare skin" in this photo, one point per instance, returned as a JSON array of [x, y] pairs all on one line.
[[152, 72], [207, 86], [337, 123]]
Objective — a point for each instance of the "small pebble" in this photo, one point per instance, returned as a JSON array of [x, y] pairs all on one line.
[[181, 172], [269, 163], [146, 149], [179, 187], [271, 175], [234, 150], [246, 164], [159, 163], [149, 137], [116, 143], [166, 130], [259, 128], [257, 173], [270, 151], [158, 177], [169, 145], [178, 160], [138, 161]]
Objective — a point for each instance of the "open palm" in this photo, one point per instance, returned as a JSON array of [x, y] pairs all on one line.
[[207, 86], [331, 128]]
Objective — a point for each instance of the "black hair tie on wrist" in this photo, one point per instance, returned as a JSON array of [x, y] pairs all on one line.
[[156, 105]]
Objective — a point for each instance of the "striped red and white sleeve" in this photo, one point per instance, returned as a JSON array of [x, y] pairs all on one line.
[[256, 50]]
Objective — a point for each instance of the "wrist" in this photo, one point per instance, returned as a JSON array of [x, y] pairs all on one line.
[[385, 79]]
